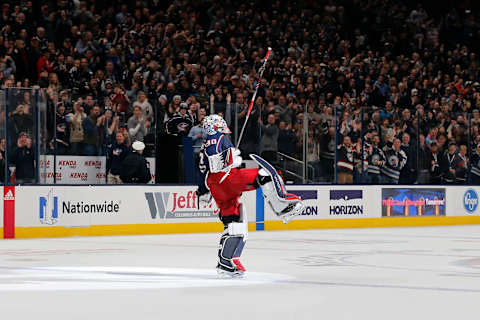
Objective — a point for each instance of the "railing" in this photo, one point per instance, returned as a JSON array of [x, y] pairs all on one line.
[[293, 170]]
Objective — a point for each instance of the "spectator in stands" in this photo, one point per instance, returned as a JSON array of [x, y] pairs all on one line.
[[423, 161], [75, 121], [450, 162], [146, 107], [376, 159], [183, 112], [474, 165], [269, 141], [62, 134], [181, 122], [197, 133], [7, 66], [23, 158], [135, 167], [137, 125], [110, 126], [461, 171], [119, 99], [408, 173], [174, 106], [327, 153], [411, 61], [115, 156], [22, 119], [435, 160], [395, 161], [91, 124], [346, 157], [286, 139]]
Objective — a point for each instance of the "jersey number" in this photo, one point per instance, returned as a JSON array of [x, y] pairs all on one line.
[[210, 142]]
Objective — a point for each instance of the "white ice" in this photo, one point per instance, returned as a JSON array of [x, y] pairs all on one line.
[[391, 273]]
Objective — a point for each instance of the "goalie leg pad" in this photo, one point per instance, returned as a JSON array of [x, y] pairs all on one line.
[[285, 205], [230, 248]]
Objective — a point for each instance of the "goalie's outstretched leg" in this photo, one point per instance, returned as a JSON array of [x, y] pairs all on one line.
[[284, 204]]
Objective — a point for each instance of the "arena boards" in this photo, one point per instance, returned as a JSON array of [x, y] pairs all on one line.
[[62, 211]]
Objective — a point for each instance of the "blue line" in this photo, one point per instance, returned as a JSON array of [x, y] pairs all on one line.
[[260, 206]]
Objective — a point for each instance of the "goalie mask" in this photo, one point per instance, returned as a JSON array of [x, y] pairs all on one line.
[[214, 123]]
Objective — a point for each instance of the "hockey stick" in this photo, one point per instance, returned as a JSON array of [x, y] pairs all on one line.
[[254, 95]]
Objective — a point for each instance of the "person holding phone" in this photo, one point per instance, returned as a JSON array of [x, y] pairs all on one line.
[[23, 159]]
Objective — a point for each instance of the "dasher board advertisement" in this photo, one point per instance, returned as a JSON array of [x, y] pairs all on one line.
[[82, 206], [404, 202]]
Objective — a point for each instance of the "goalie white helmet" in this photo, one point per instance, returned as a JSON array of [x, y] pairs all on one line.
[[215, 123]]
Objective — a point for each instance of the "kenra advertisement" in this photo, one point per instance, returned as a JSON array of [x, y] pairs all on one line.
[[413, 202]]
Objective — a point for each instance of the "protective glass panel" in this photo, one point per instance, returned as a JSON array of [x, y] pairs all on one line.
[[3, 129], [22, 135], [250, 140], [43, 135]]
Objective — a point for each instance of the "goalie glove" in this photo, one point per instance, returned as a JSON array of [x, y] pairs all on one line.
[[237, 158], [203, 199]]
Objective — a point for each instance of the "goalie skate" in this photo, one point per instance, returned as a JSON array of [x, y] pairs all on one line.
[[285, 205], [291, 211], [224, 272]]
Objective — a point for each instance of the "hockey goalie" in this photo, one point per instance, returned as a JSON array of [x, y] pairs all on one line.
[[225, 182]]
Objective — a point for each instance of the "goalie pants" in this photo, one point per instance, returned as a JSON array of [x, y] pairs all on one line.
[[227, 193]]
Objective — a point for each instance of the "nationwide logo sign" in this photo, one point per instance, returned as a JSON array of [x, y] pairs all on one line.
[[50, 208], [176, 205], [346, 202]]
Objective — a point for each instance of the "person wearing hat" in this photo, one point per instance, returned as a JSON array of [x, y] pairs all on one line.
[[135, 167], [181, 122], [183, 112]]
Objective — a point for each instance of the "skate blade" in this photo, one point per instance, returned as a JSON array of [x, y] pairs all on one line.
[[298, 210], [223, 274]]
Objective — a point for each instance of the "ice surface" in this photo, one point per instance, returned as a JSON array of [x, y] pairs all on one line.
[[391, 273]]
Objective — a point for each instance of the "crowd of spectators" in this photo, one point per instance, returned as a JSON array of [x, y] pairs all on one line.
[[391, 88]]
